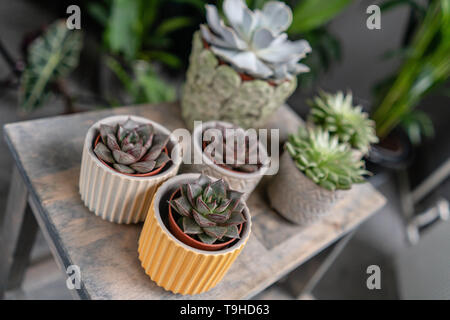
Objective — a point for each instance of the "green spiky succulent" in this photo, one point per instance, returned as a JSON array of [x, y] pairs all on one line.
[[209, 210], [132, 147], [336, 114], [324, 160], [234, 142]]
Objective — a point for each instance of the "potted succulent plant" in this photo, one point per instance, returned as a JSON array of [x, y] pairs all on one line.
[[336, 114], [314, 171], [194, 223], [242, 69], [125, 158], [220, 159]]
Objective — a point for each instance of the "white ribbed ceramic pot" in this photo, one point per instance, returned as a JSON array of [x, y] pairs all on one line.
[[114, 196], [242, 182]]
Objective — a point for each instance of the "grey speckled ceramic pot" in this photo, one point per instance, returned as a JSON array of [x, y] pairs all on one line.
[[298, 198]]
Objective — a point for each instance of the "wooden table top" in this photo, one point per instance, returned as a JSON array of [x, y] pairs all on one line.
[[48, 155]]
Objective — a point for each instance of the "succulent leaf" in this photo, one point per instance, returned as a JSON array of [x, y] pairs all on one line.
[[236, 218], [122, 168], [143, 166], [232, 232], [202, 207], [182, 206], [224, 205], [219, 189], [103, 153], [220, 217], [162, 160], [111, 142], [104, 131], [190, 226], [277, 16], [201, 220], [123, 157], [208, 192], [137, 151], [203, 181], [145, 130], [153, 153], [215, 232], [206, 239], [193, 190], [121, 133]]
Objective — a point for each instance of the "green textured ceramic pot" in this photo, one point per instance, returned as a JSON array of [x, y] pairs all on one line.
[[215, 91]]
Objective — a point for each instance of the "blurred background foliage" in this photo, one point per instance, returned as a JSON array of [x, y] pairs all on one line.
[[159, 31], [425, 66], [144, 43], [145, 46]]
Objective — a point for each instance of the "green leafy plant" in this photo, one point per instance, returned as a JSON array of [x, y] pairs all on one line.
[[132, 147], [232, 144], [209, 210], [136, 37], [142, 83], [135, 30], [254, 42], [311, 14], [324, 160], [426, 66], [336, 114], [51, 57]]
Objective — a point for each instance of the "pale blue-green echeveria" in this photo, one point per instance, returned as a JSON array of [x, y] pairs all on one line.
[[254, 42]]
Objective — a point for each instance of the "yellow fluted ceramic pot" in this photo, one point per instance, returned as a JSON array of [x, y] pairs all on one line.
[[174, 265], [114, 196]]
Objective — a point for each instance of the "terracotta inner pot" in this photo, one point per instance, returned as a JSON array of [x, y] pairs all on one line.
[[180, 235], [148, 174]]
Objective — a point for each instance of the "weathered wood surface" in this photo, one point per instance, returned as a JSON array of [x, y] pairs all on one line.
[[48, 153]]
